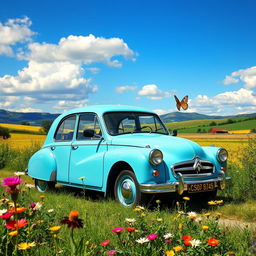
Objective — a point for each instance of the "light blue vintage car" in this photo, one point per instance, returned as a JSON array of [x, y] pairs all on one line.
[[126, 152]]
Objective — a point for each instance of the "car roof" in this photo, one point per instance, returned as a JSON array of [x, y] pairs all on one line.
[[101, 109]]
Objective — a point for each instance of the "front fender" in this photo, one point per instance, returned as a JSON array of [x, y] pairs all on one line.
[[138, 159], [42, 165], [212, 152]]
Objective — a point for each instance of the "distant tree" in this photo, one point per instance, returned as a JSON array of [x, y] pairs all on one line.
[[212, 123], [24, 123], [253, 130], [199, 130], [46, 124], [4, 132], [230, 121]]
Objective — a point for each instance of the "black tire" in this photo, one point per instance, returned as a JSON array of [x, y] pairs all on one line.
[[42, 185], [126, 189]]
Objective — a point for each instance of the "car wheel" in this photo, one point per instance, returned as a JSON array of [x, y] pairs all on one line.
[[42, 185], [127, 189]]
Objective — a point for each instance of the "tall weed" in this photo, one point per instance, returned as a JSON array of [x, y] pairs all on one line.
[[20, 157], [243, 178], [5, 153]]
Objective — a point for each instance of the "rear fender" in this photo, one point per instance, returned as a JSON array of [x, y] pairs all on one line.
[[42, 165]]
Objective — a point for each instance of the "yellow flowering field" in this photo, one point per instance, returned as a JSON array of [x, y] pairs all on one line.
[[21, 127], [19, 140], [233, 143]]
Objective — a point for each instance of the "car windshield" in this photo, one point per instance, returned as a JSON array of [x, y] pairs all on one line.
[[133, 122]]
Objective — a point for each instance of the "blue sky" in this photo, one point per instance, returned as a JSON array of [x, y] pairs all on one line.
[[58, 55]]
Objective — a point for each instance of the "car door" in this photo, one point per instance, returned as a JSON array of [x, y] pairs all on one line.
[[87, 152], [62, 147]]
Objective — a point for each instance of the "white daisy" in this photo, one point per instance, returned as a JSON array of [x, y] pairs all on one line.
[[195, 243], [3, 211], [168, 235], [50, 210], [29, 185], [130, 221], [142, 240], [192, 215], [19, 173]]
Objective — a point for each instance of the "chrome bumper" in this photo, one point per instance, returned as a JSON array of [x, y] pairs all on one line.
[[180, 186]]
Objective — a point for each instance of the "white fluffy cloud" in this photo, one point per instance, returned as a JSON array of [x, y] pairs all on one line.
[[247, 76], [81, 49], [125, 88], [12, 32], [152, 92], [225, 103], [55, 74]]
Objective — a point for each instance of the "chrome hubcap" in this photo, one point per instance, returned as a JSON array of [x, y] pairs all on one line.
[[126, 190]]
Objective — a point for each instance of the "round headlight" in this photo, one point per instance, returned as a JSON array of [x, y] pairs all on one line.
[[155, 157], [222, 155]]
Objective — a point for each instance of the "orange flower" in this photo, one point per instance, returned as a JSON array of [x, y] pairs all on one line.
[[18, 210], [189, 238], [105, 243], [130, 229], [73, 215], [42, 197], [12, 224], [178, 248], [212, 241]]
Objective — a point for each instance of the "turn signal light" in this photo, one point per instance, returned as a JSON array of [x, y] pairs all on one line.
[[223, 169], [155, 173]]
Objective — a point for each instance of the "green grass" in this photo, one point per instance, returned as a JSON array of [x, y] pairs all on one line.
[[193, 125]]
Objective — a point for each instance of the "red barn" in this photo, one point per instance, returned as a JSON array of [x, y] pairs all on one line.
[[218, 130]]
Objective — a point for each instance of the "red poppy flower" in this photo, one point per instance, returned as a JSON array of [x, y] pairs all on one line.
[[6, 216], [187, 242], [18, 210], [189, 238], [105, 243], [212, 241], [73, 221], [130, 229], [12, 224]]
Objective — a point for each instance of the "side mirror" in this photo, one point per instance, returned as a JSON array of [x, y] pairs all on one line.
[[174, 133], [89, 133]]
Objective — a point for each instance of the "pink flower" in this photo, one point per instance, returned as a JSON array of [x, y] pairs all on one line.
[[6, 216], [117, 230], [105, 243], [12, 182], [152, 236], [112, 252]]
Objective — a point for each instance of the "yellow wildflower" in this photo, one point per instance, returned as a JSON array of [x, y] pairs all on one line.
[[25, 246], [81, 178], [170, 253], [13, 233], [55, 228], [186, 198], [178, 248], [204, 228], [211, 203], [219, 202], [218, 214], [136, 230], [207, 214], [159, 219]]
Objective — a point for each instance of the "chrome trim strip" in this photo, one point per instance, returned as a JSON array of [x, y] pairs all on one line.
[[173, 186]]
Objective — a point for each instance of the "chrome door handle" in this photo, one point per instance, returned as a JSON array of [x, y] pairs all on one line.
[[74, 147]]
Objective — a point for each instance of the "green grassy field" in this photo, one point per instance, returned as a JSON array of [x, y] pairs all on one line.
[[193, 125]]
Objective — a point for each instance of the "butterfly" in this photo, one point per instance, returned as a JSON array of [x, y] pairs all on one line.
[[183, 103]]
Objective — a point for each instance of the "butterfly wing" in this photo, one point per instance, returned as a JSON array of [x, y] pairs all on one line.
[[178, 103], [184, 103]]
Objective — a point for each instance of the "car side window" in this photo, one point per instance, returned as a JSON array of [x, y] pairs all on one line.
[[88, 127], [66, 129]]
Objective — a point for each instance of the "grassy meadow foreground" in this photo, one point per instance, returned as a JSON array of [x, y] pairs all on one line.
[[77, 222]]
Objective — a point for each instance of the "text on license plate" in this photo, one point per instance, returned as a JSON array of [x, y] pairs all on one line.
[[201, 187]]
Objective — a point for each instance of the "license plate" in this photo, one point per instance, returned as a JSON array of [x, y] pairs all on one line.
[[200, 187]]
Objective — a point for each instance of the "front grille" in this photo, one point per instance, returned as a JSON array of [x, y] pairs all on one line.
[[193, 168]]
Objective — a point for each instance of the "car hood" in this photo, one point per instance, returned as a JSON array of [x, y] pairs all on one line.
[[175, 148]]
